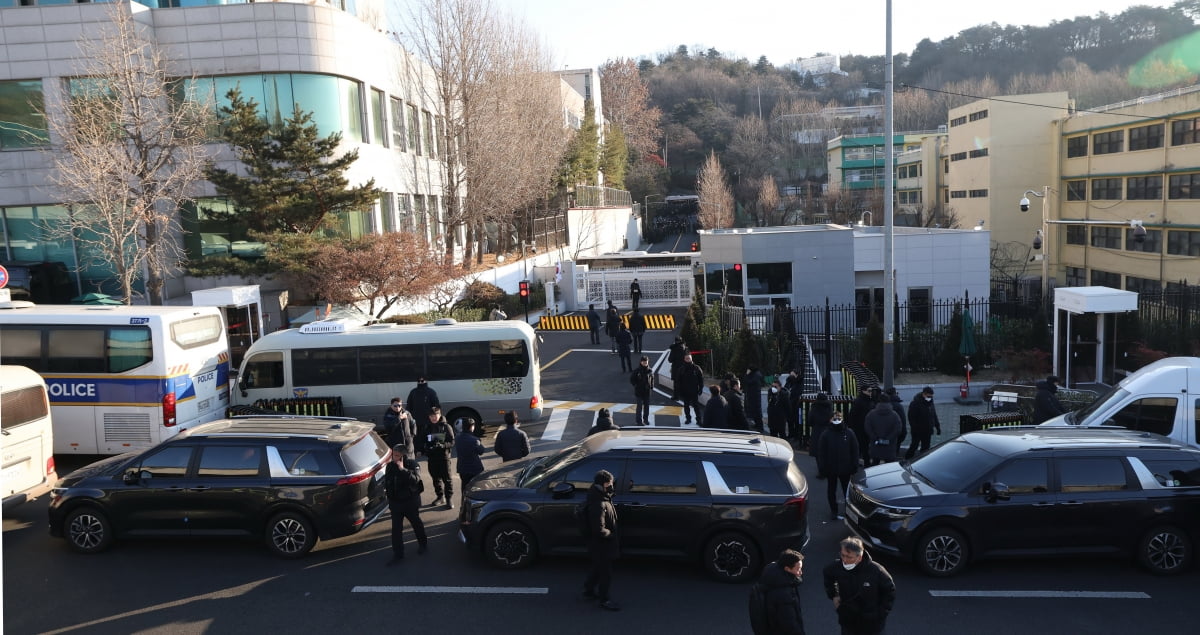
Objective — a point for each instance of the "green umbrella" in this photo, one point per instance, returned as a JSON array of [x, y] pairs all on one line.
[[966, 345], [95, 298]]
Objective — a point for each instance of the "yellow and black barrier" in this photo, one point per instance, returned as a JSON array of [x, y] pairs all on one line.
[[580, 323]]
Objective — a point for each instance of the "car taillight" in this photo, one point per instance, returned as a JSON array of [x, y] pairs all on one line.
[[351, 480], [168, 408], [800, 503], [535, 401], [50, 465]]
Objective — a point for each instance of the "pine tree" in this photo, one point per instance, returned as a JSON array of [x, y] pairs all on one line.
[[614, 158], [294, 181], [582, 160]]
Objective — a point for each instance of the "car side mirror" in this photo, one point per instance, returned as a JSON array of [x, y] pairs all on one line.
[[562, 490], [132, 477], [996, 491]]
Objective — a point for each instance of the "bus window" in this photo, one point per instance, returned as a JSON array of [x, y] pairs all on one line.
[[22, 406], [391, 364], [76, 350], [509, 359], [128, 348], [265, 370], [197, 331], [457, 360], [324, 366], [22, 347]]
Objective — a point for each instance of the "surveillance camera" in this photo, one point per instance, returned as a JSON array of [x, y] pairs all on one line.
[[1037, 241], [1024, 204], [1139, 234]]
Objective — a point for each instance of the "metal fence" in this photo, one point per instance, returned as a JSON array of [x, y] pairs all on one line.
[[591, 196]]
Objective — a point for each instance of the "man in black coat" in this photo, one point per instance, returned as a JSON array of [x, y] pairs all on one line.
[[402, 482], [637, 328], [642, 379], [795, 390], [603, 539], [819, 414], [1045, 403], [735, 416], [862, 591], [752, 386], [593, 323], [437, 445], [862, 404], [777, 407], [898, 406], [780, 582], [883, 429], [511, 443], [675, 358], [612, 322], [689, 381], [422, 399], [922, 422], [400, 427], [837, 459], [635, 294], [716, 410]]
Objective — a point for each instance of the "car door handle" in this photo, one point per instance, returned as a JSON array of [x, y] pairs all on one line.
[[1072, 503], [1044, 504], [633, 504], [174, 488], [199, 488]]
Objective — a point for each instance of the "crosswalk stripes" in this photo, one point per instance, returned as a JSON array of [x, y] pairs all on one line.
[[571, 420]]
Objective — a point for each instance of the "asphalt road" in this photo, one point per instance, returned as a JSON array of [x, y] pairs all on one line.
[[229, 586]]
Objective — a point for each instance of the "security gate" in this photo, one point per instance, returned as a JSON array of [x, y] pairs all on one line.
[[661, 286]]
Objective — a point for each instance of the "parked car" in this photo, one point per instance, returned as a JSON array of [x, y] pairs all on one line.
[[1028, 491], [726, 499], [286, 480]]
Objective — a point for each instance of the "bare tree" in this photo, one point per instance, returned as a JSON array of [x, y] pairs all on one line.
[[627, 105], [716, 199], [768, 202], [126, 155]]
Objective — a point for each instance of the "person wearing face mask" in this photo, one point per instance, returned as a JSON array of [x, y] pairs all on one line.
[[642, 379], [780, 582], [922, 422], [837, 459], [777, 410], [603, 540], [862, 591]]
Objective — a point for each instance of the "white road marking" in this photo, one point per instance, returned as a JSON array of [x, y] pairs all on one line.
[[474, 590], [1106, 595], [555, 427]]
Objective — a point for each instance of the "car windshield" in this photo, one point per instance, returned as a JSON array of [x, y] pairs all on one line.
[[540, 469], [1082, 416], [953, 465]]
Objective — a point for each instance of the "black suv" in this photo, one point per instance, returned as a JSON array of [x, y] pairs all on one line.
[[722, 497], [288, 480], [1034, 491]]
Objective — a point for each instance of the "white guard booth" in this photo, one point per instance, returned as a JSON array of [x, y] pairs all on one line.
[[1084, 332], [242, 306]]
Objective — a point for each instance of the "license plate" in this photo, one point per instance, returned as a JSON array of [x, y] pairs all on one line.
[[204, 405]]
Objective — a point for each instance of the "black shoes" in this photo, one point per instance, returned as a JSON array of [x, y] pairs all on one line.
[[437, 501], [609, 605], [449, 504]]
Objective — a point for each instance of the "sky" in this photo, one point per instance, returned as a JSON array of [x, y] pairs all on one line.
[[585, 34]]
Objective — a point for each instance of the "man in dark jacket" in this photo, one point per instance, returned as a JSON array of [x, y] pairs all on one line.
[[422, 399], [922, 422], [735, 414], [469, 449], [511, 443], [819, 414], [883, 428], [603, 539], [624, 343], [752, 387], [795, 390], [675, 358], [863, 404], [604, 422], [642, 379], [612, 321], [635, 294], [1045, 404], [862, 591], [777, 407], [593, 323], [689, 381], [400, 427], [898, 406], [716, 410], [637, 328], [437, 444], [780, 582], [402, 482], [837, 459]]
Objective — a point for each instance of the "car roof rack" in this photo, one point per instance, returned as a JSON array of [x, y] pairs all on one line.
[[712, 440]]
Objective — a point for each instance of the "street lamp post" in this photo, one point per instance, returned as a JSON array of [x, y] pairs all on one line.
[[1042, 239]]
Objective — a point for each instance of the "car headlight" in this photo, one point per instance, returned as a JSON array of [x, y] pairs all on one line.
[[896, 513]]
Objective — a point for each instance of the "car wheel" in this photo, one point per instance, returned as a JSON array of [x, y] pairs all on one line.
[[510, 545], [1165, 550], [942, 553], [732, 557], [459, 413], [87, 530], [290, 535]]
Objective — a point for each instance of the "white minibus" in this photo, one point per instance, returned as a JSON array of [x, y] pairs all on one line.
[[479, 369], [121, 378], [26, 438]]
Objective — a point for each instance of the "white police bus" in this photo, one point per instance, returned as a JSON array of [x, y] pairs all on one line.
[[479, 369], [121, 378]]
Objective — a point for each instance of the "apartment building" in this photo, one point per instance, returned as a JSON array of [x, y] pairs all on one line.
[[855, 164]]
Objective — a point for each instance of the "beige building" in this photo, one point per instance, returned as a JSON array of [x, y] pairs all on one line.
[[1124, 165]]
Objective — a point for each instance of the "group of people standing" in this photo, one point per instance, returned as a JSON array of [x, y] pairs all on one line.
[[624, 340], [421, 430]]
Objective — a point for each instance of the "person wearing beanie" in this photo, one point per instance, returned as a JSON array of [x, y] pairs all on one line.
[[1045, 403], [604, 422]]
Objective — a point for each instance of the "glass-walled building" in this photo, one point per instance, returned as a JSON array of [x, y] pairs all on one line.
[[319, 58]]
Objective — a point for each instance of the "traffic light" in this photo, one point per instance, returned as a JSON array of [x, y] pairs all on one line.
[[524, 291], [695, 246], [738, 267]]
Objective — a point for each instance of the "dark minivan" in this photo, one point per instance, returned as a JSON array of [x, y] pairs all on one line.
[[286, 480], [1034, 491], [724, 498]]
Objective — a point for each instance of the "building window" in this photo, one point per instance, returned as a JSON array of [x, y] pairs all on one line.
[[22, 124], [769, 278], [918, 305], [1106, 279], [1108, 142], [1076, 235], [958, 156], [414, 129], [1185, 132], [868, 304], [958, 194], [1146, 137], [335, 103], [378, 117], [398, 125], [387, 209], [1184, 186], [1106, 237], [976, 116], [1183, 243], [1143, 188], [1142, 285], [958, 121], [430, 146], [909, 197], [1077, 146], [978, 193], [1152, 242], [1106, 189], [1077, 190], [982, 152], [1076, 277], [910, 171]]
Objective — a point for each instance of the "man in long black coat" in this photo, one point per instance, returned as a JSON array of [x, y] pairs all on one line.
[[603, 540]]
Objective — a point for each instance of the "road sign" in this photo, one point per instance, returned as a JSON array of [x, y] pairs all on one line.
[[3, 277]]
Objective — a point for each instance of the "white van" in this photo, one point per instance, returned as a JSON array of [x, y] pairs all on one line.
[[1163, 398], [27, 438]]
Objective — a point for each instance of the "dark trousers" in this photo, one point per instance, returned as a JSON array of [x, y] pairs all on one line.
[[626, 360], [754, 408], [637, 342], [439, 471], [642, 415], [599, 580], [635, 300], [831, 486], [693, 402], [410, 509], [920, 443], [595, 335], [793, 420]]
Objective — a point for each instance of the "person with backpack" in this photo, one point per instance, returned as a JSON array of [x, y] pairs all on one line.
[[775, 599], [600, 517], [403, 484]]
